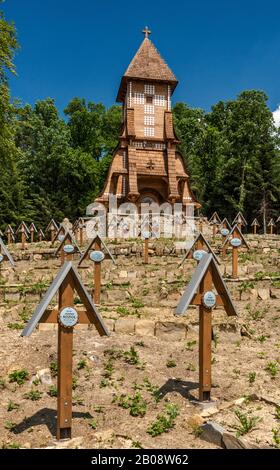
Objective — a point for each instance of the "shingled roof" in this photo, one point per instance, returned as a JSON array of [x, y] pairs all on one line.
[[147, 64]]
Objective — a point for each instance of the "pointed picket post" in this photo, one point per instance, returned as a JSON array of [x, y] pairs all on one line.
[[24, 231], [10, 234], [32, 230], [199, 247], [41, 235], [52, 227], [240, 221], [255, 224], [67, 317], [99, 253], [200, 292], [235, 239], [271, 225]]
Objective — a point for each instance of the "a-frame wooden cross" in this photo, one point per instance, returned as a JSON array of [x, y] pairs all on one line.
[[10, 234], [200, 292], [235, 239], [198, 249], [271, 225], [255, 224], [240, 221], [24, 231], [68, 247], [214, 216], [59, 235], [225, 229], [32, 230], [52, 227], [66, 316], [5, 255], [41, 235], [96, 251], [215, 222]]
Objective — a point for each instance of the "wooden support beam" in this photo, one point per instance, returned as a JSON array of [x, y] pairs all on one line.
[[205, 338], [97, 275], [146, 251]]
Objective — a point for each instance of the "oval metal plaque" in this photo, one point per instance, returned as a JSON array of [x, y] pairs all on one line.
[[209, 299], [146, 234], [198, 254], [224, 232], [235, 242], [97, 256], [60, 238], [1, 258], [68, 248], [68, 317]]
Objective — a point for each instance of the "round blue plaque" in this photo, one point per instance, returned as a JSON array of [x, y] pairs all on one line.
[[68, 317], [97, 256], [68, 248], [235, 242], [60, 238], [146, 234], [1, 257], [198, 254], [209, 299], [224, 232]]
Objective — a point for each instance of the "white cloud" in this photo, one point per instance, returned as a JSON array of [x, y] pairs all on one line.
[[276, 115]]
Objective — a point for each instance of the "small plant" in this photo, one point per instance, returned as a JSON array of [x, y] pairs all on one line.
[[132, 356], [262, 338], [81, 364], [13, 445], [136, 303], [53, 369], [2, 383], [171, 363], [259, 275], [136, 445], [215, 339], [15, 326], [276, 436], [12, 406], [252, 377], [123, 311], [74, 382], [9, 425], [19, 376], [153, 389], [52, 392], [277, 412], [190, 345], [93, 424], [141, 344], [136, 404], [164, 422], [104, 383], [246, 423], [272, 368], [33, 395]]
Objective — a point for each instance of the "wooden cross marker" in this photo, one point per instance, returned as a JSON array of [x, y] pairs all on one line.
[[240, 221], [24, 231], [41, 235], [215, 223], [215, 216], [32, 230], [255, 224], [271, 225], [99, 253], [198, 249], [81, 226], [200, 292], [5, 255], [67, 317], [52, 228], [236, 239], [10, 234], [150, 165], [67, 248]]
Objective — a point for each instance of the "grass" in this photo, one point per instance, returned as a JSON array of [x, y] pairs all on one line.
[[53, 369], [52, 392], [276, 437], [93, 424], [246, 423], [33, 395], [19, 376], [190, 345], [252, 377], [15, 326], [12, 406], [81, 364], [136, 404], [272, 369], [165, 421], [171, 363]]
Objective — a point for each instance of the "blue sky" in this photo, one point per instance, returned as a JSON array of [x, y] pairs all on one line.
[[81, 48]]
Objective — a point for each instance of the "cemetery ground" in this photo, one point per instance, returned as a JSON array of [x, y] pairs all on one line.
[[136, 388]]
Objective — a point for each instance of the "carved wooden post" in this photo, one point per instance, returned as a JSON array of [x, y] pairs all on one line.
[[97, 275], [64, 378], [205, 338]]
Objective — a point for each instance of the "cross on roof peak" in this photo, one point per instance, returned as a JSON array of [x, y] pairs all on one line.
[[146, 31]]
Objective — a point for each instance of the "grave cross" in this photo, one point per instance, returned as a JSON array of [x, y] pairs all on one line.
[[32, 230], [67, 246], [53, 228], [200, 292], [271, 225], [239, 220], [99, 253], [235, 238], [198, 249], [41, 235], [255, 224], [66, 316], [23, 229], [150, 165], [10, 234]]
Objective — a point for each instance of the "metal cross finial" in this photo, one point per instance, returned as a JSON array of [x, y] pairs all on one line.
[[146, 31], [150, 164]]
